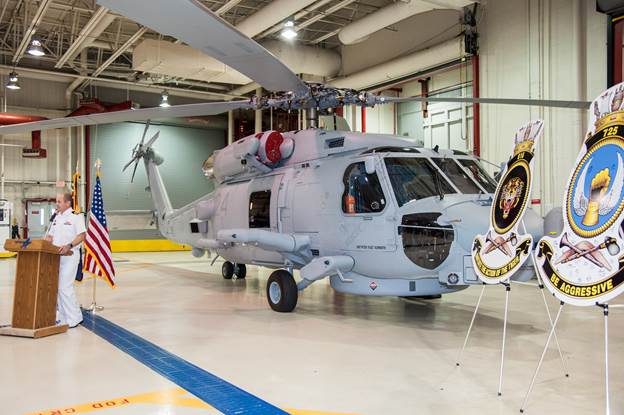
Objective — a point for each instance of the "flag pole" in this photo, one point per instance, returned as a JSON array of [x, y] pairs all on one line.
[[94, 307]]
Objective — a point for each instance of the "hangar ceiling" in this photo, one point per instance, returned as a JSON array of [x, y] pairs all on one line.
[[91, 45]]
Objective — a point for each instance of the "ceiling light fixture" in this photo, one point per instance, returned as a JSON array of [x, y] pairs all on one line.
[[13, 81], [35, 48], [164, 99], [288, 31]]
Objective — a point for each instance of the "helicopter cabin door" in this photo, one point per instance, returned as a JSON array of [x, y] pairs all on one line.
[[263, 202], [365, 224]]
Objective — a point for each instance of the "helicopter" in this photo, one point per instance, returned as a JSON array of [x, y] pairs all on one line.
[[371, 212]]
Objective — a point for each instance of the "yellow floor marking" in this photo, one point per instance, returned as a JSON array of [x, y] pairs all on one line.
[[172, 397], [177, 397], [308, 412]]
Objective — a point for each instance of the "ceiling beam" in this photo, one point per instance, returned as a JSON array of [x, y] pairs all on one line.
[[119, 51], [325, 36], [86, 34], [227, 7], [115, 83], [32, 28], [333, 9], [296, 17]]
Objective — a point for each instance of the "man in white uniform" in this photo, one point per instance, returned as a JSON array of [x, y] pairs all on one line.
[[67, 232]]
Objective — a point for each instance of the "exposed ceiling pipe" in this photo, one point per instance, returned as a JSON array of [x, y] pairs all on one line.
[[117, 84], [35, 136], [270, 15], [360, 29], [167, 58], [403, 66], [32, 28], [100, 20], [101, 44]]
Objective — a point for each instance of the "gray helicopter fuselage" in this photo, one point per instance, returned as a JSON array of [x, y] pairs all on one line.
[[403, 217]]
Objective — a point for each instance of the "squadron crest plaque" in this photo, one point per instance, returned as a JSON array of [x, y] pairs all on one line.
[[500, 253], [584, 265]]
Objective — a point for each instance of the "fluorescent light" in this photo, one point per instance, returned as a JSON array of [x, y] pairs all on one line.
[[35, 48], [164, 99], [288, 31], [13, 81]]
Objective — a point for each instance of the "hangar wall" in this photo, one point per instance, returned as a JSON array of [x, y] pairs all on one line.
[[542, 49], [128, 204]]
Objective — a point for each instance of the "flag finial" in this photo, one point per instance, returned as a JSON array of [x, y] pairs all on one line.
[[98, 166]]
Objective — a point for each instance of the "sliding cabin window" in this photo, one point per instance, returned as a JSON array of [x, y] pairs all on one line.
[[260, 209]]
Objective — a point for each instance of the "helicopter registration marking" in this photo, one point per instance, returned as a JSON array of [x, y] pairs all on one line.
[[372, 247]]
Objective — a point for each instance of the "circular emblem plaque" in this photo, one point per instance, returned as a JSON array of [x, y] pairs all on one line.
[[511, 197]]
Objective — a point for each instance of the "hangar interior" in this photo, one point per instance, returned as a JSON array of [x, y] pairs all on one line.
[[338, 353]]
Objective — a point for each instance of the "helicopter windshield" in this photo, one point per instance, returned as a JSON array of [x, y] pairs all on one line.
[[457, 175], [479, 174], [415, 178]]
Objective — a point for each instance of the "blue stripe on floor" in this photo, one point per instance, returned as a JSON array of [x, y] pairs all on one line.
[[213, 390]]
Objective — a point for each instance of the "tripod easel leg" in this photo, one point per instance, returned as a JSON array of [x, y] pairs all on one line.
[[605, 308], [474, 315], [539, 364], [550, 320], [502, 362]]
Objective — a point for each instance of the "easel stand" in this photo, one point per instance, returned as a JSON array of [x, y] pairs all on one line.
[[474, 315], [507, 286], [605, 308]]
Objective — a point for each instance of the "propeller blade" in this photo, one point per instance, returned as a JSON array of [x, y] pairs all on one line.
[[502, 101], [151, 140], [144, 132], [134, 170], [187, 110], [200, 28], [129, 163]]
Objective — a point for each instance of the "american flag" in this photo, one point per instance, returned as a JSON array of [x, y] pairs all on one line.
[[98, 260]]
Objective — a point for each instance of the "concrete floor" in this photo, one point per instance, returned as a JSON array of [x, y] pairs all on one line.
[[336, 354]]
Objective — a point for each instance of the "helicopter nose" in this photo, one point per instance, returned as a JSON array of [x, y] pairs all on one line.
[[468, 219]]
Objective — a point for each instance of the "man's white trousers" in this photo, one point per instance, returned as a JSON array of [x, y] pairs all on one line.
[[67, 307]]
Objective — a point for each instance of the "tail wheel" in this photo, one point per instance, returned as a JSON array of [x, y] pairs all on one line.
[[227, 270], [282, 291], [240, 270]]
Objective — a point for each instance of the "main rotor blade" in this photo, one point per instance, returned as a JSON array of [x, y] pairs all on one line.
[[151, 140], [502, 101], [134, 171], [187, 110], [193, 23]]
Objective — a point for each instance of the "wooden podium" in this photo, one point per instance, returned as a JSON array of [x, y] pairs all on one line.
[[36, 288]]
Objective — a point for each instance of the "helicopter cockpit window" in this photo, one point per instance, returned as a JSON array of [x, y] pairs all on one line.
[[363, 192], [479, 174], [415, 178], [259, 209], [457, 175]]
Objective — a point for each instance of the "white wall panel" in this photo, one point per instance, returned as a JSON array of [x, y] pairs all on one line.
[[550, 49]]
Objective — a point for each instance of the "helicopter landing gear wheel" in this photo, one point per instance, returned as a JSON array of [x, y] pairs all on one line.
[[227, 270], [282, 291], [240, 270]]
